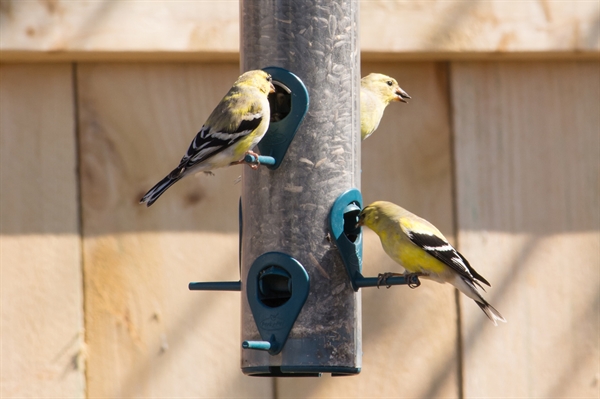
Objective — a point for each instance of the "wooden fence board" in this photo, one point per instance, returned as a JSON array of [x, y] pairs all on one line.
[[134, 30], [528, 214], [42, 350], [528, 184]]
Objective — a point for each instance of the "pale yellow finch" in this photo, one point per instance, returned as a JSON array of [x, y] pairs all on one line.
[[421, 248], [376, 92], [235, 126]]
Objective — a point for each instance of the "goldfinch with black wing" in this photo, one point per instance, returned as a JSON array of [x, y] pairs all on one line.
[[421, 248], [234, 127], [376, 92]]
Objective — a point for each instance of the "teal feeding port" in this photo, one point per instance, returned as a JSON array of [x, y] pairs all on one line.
[[347, 235], [289, 105], [343, 220], [277, 287]]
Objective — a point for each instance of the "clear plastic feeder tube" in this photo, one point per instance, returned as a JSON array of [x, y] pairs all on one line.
[[286, 209]]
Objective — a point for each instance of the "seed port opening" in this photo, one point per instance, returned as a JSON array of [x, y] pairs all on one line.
[[274, 286], [280, 102], [351, 217]]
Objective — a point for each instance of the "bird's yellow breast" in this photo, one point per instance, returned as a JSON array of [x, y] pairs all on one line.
[[408, 255]]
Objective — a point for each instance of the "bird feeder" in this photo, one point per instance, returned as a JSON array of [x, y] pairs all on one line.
[[285, 211], [300, 249]]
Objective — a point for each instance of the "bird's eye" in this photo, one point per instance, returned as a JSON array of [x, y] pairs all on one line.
[[269, 78], [390, 83]]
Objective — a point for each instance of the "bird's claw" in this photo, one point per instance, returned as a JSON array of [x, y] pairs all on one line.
[[382, 278], [253, 165], [413, 280]]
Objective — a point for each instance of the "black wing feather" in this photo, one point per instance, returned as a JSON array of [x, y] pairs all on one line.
[[473, 271], [248, 125], [203, 142], [445, 253]]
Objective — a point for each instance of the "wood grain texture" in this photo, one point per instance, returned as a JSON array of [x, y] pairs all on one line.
[[147, 334], [123, 26], [494, 26], [42, 350], [528, 185], [528, 214], [109, 30], [409, 336]]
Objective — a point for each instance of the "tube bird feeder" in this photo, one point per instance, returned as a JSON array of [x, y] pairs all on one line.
[[289, 264], [300, 245]]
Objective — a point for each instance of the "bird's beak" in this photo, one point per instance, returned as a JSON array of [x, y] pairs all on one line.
[[359, 223], [402, 95], [272, 88]]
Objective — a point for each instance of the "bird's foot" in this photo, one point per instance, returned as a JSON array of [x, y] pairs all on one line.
[[413, 279], [382, 278], [253, 164], [208, 173]]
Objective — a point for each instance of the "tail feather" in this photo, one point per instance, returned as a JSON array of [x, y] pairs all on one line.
[[469, 288], [160, 187], [491, 312]]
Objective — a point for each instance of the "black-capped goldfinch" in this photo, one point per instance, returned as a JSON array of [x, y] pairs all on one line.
[[376, 92], [421, 248], [234, 127]]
